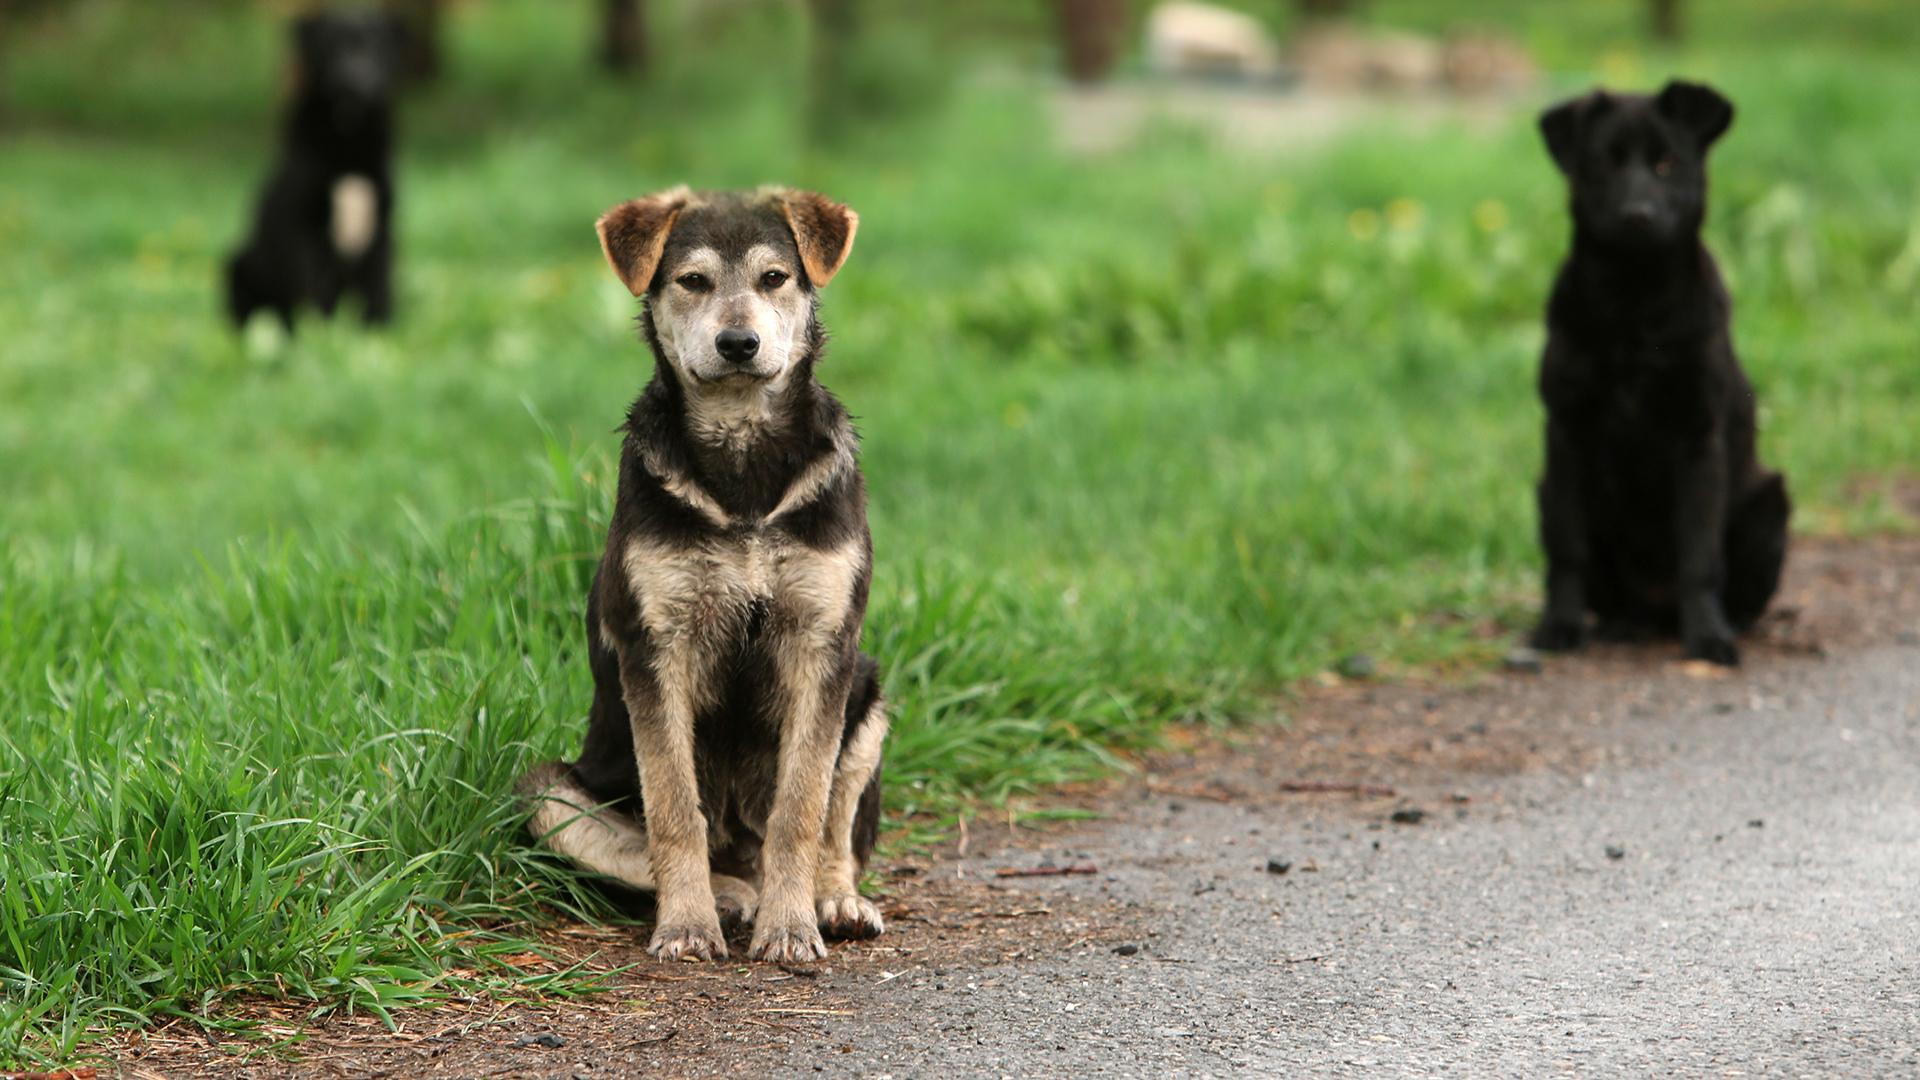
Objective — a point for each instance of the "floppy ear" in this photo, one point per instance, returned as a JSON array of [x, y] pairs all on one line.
[[633, 234], [399, 33], [1697, 107], [1563, 124], [823, 230], [307, 32]]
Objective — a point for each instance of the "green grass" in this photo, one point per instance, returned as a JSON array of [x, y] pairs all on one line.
[[1149, 435]]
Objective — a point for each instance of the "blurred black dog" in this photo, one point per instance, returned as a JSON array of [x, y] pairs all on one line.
[[1655, 512], [324, 225]]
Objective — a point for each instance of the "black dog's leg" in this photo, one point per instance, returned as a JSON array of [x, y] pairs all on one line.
[[240, 298], [1701, 520], [1756, 548], [327, 280], [375, 282], [1563, 532]]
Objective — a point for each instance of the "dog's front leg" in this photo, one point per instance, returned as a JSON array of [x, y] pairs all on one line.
[[1563, 533], [813, 688], [1701, 520], [661, 700]]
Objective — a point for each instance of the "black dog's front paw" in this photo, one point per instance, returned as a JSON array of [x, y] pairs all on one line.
[[1559, 635], [1714, 648]]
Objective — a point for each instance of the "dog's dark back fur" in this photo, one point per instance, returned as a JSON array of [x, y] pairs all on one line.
[[1655, 510], [337, 130]]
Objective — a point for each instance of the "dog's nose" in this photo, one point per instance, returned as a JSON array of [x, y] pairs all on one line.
[[1640, 215], [737, 346]]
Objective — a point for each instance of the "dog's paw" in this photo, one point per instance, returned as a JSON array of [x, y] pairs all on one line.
[[1559, 635], [736, 912], [688, 943], [849, 917], [1714, 648], [735, 901], [795, 944]]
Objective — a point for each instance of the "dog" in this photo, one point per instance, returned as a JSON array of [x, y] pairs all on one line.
[[324, 225], [1655, 511], [733, 753]]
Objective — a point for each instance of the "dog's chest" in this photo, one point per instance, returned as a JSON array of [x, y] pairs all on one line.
[[746, 583], [1639, 389], [353, 215]]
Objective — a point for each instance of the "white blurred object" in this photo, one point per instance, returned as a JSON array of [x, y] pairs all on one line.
[[1347, 59], [1189, 38], [356, 210]]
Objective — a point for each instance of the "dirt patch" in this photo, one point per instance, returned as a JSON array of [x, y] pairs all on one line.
[[1368, 751], [653, 1015], [1433, 741]]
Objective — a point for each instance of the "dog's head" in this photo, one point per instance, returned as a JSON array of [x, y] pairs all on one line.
[[351, 58], [1636, 163], [729, 278]]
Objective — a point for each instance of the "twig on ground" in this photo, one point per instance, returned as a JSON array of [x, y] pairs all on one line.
[[1046, 870], [1210, 794], [1333, 787]]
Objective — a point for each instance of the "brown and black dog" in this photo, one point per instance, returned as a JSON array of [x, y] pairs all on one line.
[[1655, 511], [732, 759]]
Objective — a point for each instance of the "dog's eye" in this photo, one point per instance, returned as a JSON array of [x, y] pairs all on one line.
[[1663, 166], [773, 279], [694, 282]]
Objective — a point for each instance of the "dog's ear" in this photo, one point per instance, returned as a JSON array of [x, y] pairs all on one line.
[[397, 33], [310, 31], [823, 230], [1564, 124], [1697, 107], [634, 234]]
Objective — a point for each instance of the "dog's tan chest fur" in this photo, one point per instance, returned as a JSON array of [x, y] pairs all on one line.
[[355, 215], [704, 594]]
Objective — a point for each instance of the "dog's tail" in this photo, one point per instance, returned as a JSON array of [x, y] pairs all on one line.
[[567, 818]]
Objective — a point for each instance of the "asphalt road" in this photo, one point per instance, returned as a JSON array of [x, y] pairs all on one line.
[[1759, 913]]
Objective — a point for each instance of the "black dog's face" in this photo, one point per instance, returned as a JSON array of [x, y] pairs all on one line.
[[349, 57], [1637, 164]]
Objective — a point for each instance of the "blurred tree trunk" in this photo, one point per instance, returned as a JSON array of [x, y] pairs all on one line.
[[623, 36], [1090, 36], [835, 23], [6, 35], [420, 55], [1665, 18]]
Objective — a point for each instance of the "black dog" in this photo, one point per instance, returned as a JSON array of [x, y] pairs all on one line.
[[1655, 512], [732, 759], [324, 225]]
